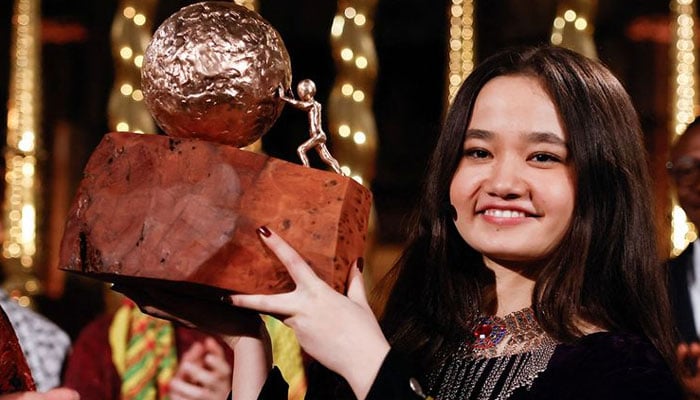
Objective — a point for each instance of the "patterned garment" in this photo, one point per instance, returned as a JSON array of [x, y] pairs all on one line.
[[44, 344], [143, 351]]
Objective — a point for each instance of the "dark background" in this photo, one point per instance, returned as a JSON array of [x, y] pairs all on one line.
[[410, 38]]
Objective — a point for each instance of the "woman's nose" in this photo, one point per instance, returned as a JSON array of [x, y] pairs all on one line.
[[506, 180]]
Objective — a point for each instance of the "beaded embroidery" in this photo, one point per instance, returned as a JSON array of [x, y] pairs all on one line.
[[503, 355]]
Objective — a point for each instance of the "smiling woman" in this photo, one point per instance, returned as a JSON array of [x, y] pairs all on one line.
[[531, 272], [513, 189]]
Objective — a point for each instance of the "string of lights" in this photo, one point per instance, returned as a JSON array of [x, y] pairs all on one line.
[[23, 145], [683, 89], [573, 26], [350, 118], [460, 58], [131, 32]]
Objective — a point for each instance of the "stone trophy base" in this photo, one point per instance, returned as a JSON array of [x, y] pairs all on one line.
[[182, 214]]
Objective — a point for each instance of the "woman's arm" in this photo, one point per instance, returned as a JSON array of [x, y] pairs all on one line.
[[251, 365]]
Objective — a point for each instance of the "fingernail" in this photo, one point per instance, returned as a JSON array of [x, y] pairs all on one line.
[[360, 263], [225, 299], [264, 231]]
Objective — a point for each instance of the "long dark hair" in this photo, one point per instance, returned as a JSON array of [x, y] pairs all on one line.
[[606, 271]]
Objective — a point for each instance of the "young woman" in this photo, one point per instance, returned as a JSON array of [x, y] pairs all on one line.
[[531, 271]]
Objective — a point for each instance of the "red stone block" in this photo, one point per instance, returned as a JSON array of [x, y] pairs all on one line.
[[183, 214]]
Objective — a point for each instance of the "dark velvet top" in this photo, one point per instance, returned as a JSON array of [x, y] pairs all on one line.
[[599, 366]]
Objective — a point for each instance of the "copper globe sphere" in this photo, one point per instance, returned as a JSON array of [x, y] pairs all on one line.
[[212, 72]]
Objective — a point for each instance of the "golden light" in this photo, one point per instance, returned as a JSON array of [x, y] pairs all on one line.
[[358, 96], [682, 91], [26, 143], [129, 12], [344, 131], [24, 301], [347, 89], [350, 12], [23, 142], [126, 89], [569, 15], [461, 45], [31, 286], [346, 54], [350, 113], [573, 26], [559, 23], [137, 95], [556, 38], [126, 52], [359, 137], [580, 24], [337, 26], [139, 19], [131, 32]]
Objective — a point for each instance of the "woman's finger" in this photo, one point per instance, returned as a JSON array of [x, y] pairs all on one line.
[[215, 358], [195, 352], [180, 389], [356, 285], [212, 346], [192, 355], [198, 375], [276, 304], [298, 269]]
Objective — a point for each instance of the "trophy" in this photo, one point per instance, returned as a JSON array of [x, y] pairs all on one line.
[[180, 211]]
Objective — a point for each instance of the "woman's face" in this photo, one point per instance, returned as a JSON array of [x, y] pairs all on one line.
[[514, 187]]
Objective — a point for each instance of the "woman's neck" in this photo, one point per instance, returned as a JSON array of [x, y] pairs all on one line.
[[514, 286]]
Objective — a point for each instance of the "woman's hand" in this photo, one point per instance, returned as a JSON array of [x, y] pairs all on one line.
[[203, 373], [340, 332]]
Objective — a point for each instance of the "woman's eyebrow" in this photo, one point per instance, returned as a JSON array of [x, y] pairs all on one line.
[[478, 134], [532, 137], [545, 137]]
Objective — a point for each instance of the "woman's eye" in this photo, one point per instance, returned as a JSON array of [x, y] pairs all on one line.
[[545, 157], [476, 153]]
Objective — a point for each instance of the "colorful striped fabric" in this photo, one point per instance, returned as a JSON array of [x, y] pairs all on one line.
[[143, 351], [287, 355]]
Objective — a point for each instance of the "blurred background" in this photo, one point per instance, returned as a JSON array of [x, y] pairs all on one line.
[[62, 60]]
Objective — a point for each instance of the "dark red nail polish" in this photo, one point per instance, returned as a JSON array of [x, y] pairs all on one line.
[[264, 231], [360, 263]]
